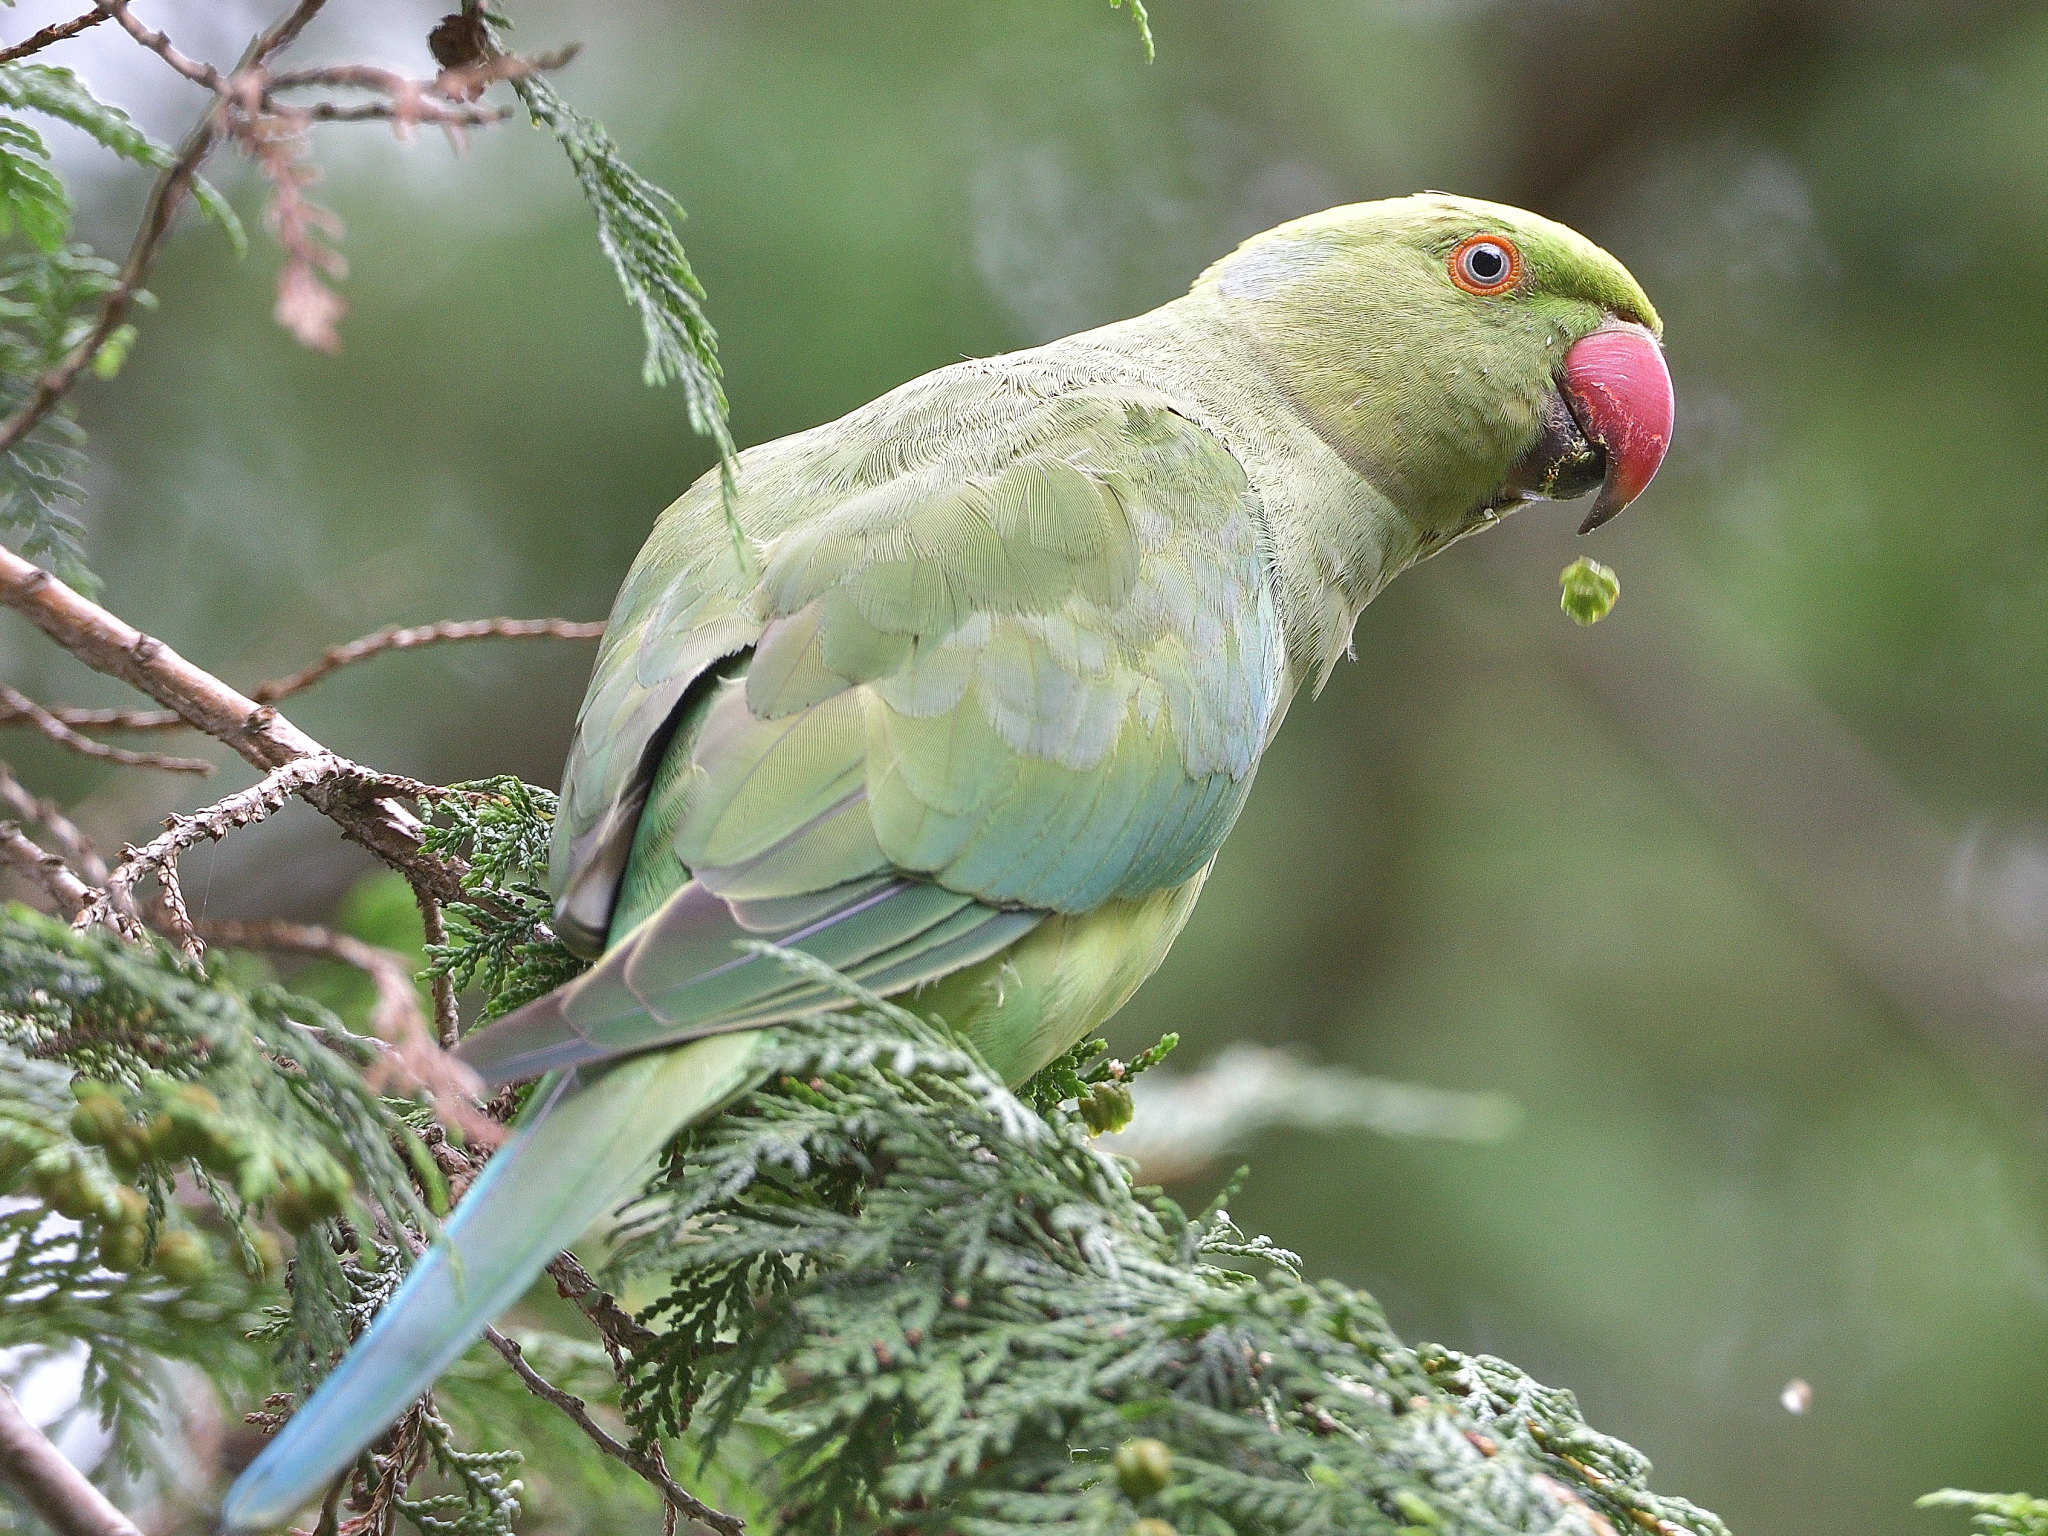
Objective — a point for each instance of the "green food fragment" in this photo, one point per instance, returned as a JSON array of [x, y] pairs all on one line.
[[1590, 591]]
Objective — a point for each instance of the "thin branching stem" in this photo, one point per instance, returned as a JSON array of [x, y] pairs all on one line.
[[17, 708], [21, 853], [648, 1464], [391, 638], [73, 844], [56, 32]]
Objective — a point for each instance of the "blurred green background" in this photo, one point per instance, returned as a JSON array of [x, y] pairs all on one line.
[[1743, 895]]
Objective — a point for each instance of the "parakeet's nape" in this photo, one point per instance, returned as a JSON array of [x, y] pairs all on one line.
[[972, 711]]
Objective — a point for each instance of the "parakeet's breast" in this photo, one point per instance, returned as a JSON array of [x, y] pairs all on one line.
[[1044, 994]]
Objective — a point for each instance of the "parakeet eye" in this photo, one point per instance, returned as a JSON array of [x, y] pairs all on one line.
[[1486, 265]]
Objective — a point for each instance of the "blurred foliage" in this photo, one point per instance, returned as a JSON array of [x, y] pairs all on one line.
[[2000, 1514]]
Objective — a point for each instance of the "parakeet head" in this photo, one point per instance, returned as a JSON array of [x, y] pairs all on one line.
[[1463, 356]]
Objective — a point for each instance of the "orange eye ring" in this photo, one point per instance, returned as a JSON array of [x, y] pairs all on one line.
[[1487, 265]]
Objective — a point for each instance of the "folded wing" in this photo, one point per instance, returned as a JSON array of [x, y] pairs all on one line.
[[1004, 647]]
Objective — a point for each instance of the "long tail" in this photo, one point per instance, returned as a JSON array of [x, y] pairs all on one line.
[[587, 1144]]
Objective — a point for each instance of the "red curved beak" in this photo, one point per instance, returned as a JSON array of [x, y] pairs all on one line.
[[1618, 388]]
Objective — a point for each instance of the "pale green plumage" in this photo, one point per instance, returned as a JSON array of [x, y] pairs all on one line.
[[972, 713]]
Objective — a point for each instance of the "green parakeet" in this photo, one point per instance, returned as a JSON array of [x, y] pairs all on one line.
[[970, 712]]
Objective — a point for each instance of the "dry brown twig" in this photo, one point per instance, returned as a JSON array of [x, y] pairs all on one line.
[[32, 810], [52, 1487], [18, 708], [649, 1464], [622, 1333], [447, 1016], [242, 110], [158, 858], [159, 213], [392, 637], [363, 805], [56, 32], [20, 852], [395, 637]]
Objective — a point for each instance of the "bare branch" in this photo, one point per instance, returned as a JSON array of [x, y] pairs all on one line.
[[622, 1333], [55, 1489], [464, 83], [19, 707], [425, 111], [195, 70], [396, 1018], [36, 42], [392, 638], [108, 644], [74, 845], [647, 1463], [363, 806], [283, 34], [20, 852], [396, 638], [159, 856], [83, 719]]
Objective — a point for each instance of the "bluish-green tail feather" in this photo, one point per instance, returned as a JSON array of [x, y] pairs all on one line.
[[585, 1148]]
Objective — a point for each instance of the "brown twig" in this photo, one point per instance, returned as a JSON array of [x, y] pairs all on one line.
[[158, 857], [18, 851], [36, 42], [17, 707], [433, 113], [74, 845], [622, 1334], [390, 638], [363, 805], [196, 70], [80, 718], [53, 1488], [648, 1464], [396, 1017], [447, 1015], [394, 637]]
